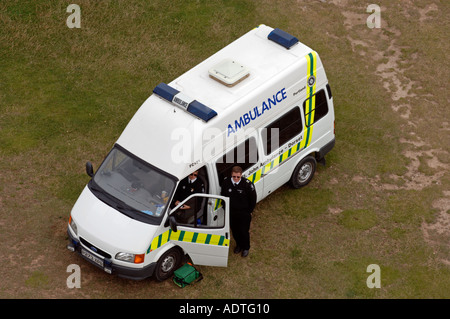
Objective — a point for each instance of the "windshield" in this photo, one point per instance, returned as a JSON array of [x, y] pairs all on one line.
[[132, 186]]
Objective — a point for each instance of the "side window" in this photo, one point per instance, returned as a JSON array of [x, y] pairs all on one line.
[[244, 155], [209, 213], [283, 129], [193, 212], [315, 108]]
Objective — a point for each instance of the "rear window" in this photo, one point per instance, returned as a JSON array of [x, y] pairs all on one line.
[[315, 108]]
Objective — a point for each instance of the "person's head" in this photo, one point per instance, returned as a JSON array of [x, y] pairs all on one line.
[[193, 175], [236, 173]]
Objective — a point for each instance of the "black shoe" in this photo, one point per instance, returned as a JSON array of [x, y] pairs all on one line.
[[237, 250], [245, 253]]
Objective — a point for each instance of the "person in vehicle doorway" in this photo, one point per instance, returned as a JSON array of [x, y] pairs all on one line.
[[188, 186], [242, 196]]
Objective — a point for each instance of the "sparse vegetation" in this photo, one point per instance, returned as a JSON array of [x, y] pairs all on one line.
[[383, 198]]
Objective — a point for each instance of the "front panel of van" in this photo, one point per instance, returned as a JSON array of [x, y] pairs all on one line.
[[100, 234], [119, 212]]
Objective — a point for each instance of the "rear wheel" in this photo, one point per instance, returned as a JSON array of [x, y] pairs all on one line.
[[303, 172], [167, 264]]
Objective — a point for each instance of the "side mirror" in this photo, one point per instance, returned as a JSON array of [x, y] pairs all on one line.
[[89, 169], [173, 223]]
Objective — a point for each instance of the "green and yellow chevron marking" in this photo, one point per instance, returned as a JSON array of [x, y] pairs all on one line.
[[187, 236], [218, 204], [311, 59], [256, 177]]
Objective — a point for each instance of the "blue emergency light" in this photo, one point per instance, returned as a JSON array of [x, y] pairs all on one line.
[[165, 91], [194, 107], [282, 38]]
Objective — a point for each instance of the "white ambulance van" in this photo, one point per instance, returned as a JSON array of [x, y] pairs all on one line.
[[263, 102]]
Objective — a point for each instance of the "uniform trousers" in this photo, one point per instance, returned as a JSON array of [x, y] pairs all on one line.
[[240, 228]]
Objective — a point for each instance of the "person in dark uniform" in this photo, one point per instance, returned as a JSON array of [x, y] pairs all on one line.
[[242, 196], [188, 186]]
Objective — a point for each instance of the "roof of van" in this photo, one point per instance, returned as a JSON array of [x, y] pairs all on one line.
[[170, 138]]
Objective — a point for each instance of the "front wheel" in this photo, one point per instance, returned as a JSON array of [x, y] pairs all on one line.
[[303, 172], [167, 264]]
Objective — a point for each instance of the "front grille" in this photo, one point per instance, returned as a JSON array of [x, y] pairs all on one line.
[[95, 249]]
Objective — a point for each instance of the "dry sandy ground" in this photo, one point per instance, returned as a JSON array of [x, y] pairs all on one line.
[[401, 88]]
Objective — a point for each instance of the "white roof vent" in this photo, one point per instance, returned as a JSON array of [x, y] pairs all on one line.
[[229, 72]]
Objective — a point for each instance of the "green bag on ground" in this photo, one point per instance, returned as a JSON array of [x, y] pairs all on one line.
[[186, 275]]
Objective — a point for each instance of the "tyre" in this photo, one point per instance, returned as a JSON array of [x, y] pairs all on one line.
[[168, 263], [303, 172]]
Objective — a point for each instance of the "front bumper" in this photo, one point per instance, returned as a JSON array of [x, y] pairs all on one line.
[[108, 266]]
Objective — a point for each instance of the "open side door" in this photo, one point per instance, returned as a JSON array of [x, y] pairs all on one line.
[[207, 237]]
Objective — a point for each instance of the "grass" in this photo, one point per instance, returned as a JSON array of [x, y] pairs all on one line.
[[66, 95], [360, 219]]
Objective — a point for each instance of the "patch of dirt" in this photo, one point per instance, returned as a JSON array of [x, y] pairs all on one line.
[[424, 13], [438, 232], [390, 68], [335, 210]]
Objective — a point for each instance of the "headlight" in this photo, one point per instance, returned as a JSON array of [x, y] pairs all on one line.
[[73, 225], [131, 258]]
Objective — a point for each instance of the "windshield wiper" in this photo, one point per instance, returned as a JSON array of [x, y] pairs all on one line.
[[126, 209], [93, 186], [113, 201]]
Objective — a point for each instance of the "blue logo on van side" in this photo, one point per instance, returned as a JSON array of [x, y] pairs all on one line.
[[255, 113]]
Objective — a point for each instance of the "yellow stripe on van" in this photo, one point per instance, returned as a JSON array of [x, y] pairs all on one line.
[[256, 177], [218, 204], [172, 235], [201, 238], [153, 246], [187, 236], [311, 59], [311, 81]]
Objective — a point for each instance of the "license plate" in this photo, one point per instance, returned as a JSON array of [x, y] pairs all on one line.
[[95, 259]]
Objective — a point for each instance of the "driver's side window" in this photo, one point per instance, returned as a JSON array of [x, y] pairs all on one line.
[[193, 211]]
